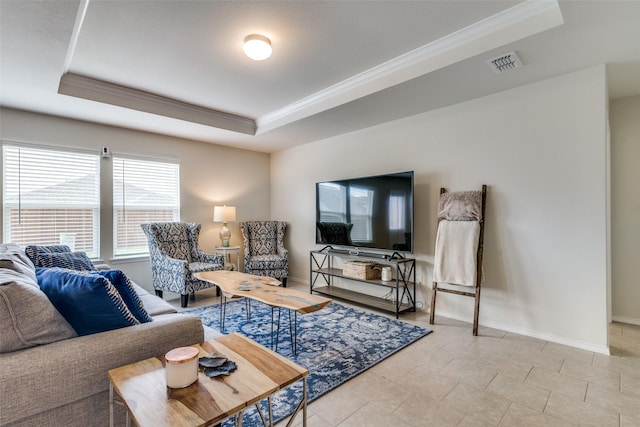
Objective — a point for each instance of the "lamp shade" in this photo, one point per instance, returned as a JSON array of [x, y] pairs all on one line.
[[224, 213]]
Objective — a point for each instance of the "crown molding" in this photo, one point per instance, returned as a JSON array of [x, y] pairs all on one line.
[[525, 19], [80, 86]]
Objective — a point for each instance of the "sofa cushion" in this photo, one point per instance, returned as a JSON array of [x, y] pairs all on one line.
[[88, 301], [155, 306], [267, 262], [56, 256], [128, 294], [27, 316]]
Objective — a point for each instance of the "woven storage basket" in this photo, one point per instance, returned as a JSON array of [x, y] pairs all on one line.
[[361, 270]]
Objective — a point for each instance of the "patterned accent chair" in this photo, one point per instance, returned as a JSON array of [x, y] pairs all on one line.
[[264, 251], [175, 257]]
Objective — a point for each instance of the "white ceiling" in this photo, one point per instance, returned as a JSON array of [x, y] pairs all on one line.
[[337, 66]]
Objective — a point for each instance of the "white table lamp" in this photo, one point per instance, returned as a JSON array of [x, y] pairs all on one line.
[[224, 214]]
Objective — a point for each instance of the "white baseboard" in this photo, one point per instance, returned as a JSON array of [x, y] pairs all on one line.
[[624, 319], [522, 331], [535, 334]]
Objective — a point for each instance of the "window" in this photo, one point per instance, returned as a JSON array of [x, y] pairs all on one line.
[[143, 191], [51, 197]]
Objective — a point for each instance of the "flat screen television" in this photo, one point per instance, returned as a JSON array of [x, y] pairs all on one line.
[[373, 212]]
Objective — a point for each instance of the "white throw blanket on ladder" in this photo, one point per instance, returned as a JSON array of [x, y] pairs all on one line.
[[456, 252]]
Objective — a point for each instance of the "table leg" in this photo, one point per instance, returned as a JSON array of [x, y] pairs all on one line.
[[237, 419], [110, 404], [304, 405], [223, 311], [270, 411], [278, 330], [292, 334], [111, 413]]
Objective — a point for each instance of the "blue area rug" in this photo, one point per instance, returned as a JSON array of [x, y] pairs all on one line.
[[335, 344]]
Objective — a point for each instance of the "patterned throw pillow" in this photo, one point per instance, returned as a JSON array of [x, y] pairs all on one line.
[[128, 294], [57, 256], [54, 249], [88, 301]]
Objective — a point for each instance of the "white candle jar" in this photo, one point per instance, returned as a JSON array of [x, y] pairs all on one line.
[[386, 274], [181, 369]]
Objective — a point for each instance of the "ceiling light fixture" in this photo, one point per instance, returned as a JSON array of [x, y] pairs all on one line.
[[257, 47]]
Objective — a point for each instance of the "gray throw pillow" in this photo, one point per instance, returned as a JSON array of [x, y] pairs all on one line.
[[27, 316]]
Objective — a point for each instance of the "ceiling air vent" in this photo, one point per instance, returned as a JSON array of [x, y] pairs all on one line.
[[505, 62]]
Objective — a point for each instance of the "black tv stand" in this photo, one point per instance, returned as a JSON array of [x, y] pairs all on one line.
[[327, 277]]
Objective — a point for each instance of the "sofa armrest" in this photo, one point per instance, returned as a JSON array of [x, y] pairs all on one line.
[[44, 377]]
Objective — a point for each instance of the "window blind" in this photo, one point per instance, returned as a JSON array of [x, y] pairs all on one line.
[[143, 191], [51, 197]]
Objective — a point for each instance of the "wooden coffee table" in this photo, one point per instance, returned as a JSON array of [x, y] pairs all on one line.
[[266, 290], [142, 389]]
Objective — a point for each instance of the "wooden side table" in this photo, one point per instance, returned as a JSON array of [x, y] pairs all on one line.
[[141, 387], [226, 252]]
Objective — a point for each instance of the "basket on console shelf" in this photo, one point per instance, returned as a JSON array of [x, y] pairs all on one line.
[[361, 270]]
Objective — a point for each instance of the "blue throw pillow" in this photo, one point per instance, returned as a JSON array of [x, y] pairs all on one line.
[[128, 294], [52, 256], [89, 302]]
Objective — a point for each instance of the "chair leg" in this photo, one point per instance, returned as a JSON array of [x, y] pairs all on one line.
[[184, 300], [284, 282], [158, 293], [432, 313], [476, 312]]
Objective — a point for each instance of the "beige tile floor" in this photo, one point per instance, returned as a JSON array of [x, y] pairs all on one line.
[[451, 378]]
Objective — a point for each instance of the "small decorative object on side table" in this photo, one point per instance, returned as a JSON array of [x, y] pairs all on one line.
[[226, 252]]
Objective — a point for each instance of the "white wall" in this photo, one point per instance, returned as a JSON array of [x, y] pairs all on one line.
[[209, 174], [624, 116], [542, 151]]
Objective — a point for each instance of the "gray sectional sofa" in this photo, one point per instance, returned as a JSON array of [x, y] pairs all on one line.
[[49, 376]]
